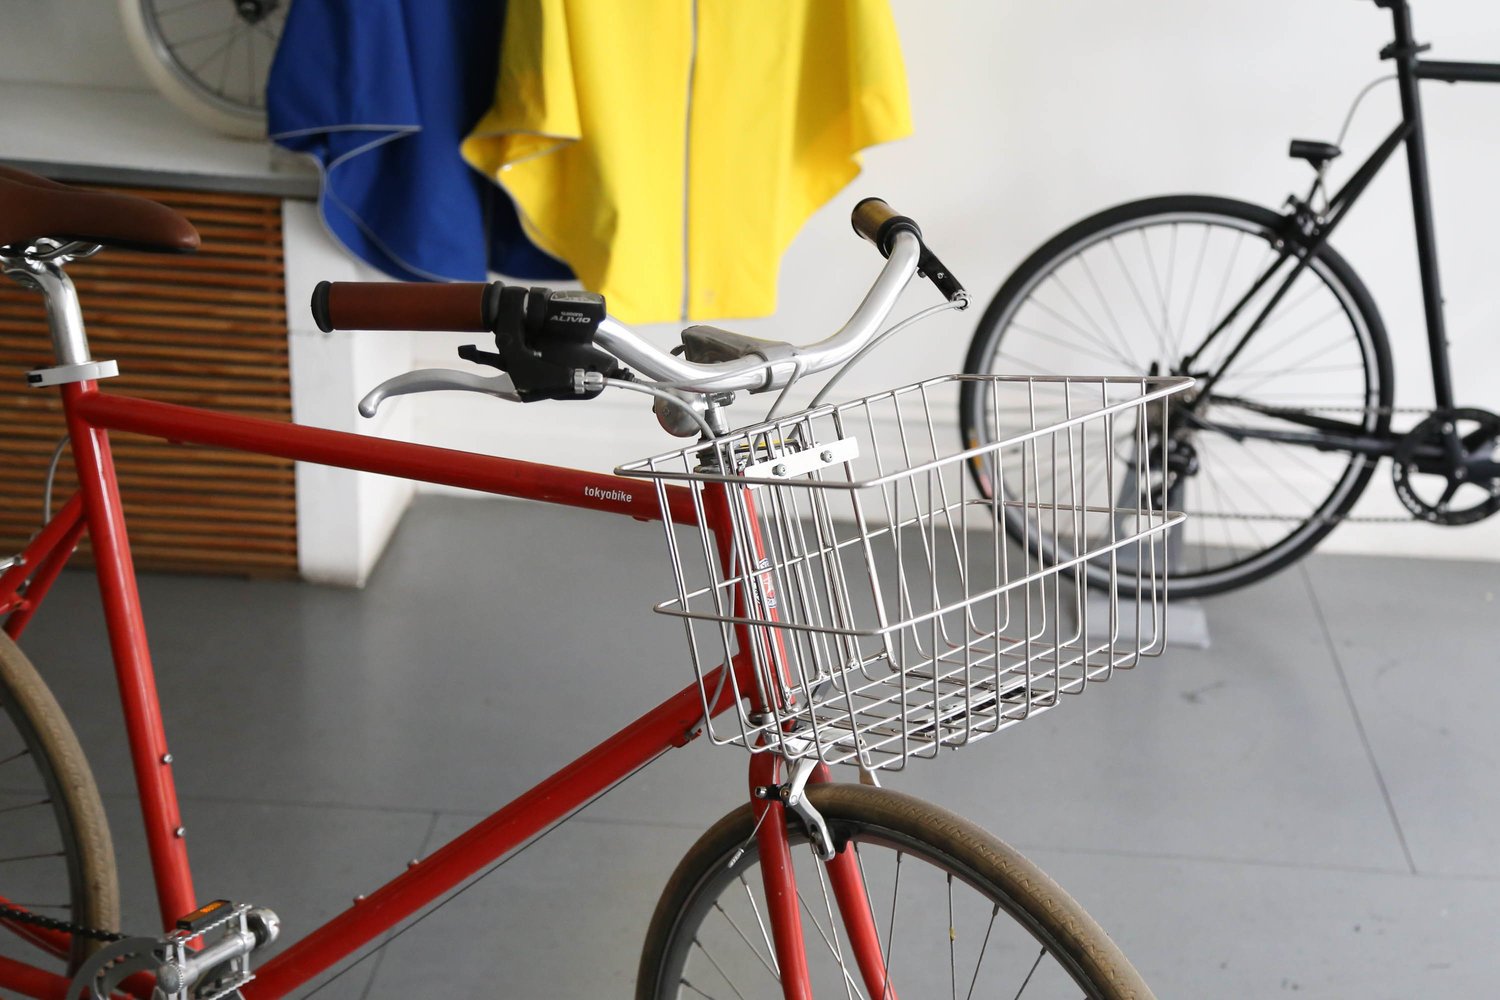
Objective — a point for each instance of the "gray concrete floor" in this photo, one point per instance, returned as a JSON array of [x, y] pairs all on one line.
[[1311, 806]]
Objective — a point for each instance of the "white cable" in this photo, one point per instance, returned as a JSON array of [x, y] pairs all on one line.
[[654, 390], [1344, 131], [1349, 118], [796, 374], [917, 317], [51, 475]]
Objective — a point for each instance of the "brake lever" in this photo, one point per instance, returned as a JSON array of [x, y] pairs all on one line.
[[435, 380]]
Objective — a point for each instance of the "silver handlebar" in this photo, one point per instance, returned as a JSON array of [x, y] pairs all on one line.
[[761, 374], [756, 374]]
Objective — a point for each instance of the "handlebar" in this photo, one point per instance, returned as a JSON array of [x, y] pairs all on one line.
[[477, 307], [762, 373]]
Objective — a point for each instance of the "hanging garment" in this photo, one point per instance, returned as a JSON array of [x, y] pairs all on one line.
[[380, 92], [669, 150]]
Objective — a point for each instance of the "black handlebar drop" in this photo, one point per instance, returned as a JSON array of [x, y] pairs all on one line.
[[878, 222]]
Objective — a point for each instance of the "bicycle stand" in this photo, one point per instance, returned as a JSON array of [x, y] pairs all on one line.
[[1187, 621]]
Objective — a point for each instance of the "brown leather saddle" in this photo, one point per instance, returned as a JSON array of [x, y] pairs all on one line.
[[32, 208]]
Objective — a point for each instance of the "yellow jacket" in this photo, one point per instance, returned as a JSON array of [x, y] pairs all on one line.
[[669, 150]]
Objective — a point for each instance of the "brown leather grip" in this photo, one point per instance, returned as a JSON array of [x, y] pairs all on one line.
[[461, 307], [869, 215]]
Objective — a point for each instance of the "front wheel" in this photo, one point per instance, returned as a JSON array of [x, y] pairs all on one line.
[[56, 858], [1171, 286], [957, 913]]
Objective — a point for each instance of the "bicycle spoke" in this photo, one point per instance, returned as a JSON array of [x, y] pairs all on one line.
[[1026, 364], [1119, 331], [1247, 488], [189, 5], [1224, 284], [1103, 337], [1161, 297], [890, 934], [859, 866], [25, 805], [15, 757], [1294, 366], [983, 947], [31, 857], [765, 934], [198, 68], [830, 937], [1266, 272], [717, 967], [1283, 479], [1027, 981], [1266, 348], [952, 945], [1136, 292], [1097, 341], [1061, 342], [204, 37], [240, 34], [753, 949], [1187, 310]]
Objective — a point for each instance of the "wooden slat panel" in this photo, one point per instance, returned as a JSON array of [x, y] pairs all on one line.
[[207, 329]]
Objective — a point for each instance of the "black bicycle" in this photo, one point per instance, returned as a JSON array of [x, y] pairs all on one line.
[[1292, 410]]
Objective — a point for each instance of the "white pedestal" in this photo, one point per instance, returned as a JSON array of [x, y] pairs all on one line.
[[1187, 623]]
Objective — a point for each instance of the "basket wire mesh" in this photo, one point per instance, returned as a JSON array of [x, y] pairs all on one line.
[[870, 605]]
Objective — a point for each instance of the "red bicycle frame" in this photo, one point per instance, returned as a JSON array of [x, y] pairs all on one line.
[[96, 508]]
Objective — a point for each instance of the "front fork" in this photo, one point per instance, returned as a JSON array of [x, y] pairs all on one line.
[[770, 794], [769, 798]]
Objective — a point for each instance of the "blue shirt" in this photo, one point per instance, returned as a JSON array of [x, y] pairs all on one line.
[[381, 92]]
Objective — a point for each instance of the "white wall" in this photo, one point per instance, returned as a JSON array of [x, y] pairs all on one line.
[[1029, 115]]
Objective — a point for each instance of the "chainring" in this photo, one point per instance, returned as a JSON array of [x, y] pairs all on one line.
[[101, 974], [1446, 469]]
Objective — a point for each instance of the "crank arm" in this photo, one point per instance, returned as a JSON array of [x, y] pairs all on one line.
[[437, 380]]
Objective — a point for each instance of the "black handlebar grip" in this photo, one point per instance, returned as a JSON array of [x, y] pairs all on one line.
[[459, 307]]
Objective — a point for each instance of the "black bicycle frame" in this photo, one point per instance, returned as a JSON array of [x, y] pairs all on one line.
[[1334, 435]]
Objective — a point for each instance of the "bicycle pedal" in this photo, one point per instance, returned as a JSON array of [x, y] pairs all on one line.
[[230, 932]]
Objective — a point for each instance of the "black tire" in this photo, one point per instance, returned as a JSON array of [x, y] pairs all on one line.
[[1250, 544], [66, 828], [865, 819]]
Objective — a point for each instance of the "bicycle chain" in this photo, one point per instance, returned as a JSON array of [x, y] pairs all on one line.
[[14, 915], [1363, 519], [1246, 404]]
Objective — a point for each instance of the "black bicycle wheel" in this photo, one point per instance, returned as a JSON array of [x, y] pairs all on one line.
[[1135, 290], [958, 913], [56, 856]]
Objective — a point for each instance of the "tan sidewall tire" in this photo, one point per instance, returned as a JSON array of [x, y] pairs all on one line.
[[56, 749], [1021, 887]]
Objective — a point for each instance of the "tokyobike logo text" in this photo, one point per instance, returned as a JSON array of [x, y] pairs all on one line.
[[598, 494]]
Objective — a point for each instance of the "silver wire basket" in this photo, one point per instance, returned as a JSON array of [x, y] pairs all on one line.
[[874, 606]]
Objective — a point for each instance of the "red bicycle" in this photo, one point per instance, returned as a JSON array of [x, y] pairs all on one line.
[[847, 596]]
